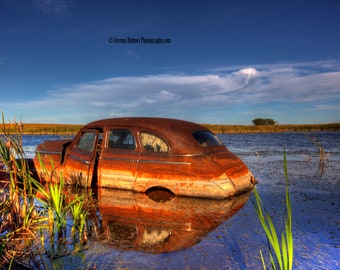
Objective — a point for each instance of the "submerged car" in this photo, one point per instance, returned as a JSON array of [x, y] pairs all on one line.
[[143, 154]]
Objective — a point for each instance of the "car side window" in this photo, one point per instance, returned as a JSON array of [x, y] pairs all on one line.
[[206, 138], [121, 139], [153, 143], [86, 142]]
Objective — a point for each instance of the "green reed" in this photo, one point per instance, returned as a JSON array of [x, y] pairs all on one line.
[[23, 223], [79, 218], [18, 216], [20, 202], [59, 208], [54, 205], [281, 253]]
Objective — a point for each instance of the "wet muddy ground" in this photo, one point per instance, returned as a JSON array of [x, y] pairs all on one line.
[[196, 234]]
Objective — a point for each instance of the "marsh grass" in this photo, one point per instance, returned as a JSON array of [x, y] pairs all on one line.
[[18, 216], [281, 253], [26, 218], [54, 204], [58, 208], [79, 220], [323, 156]]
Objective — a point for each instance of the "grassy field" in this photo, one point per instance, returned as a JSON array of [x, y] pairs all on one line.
[[73, 129]]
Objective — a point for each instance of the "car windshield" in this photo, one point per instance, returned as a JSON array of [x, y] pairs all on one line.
[[206, 138]]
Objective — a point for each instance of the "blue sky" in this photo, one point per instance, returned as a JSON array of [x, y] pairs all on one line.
[[227, 61]]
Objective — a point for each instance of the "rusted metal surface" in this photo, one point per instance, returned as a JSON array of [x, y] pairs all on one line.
[[142, 153]]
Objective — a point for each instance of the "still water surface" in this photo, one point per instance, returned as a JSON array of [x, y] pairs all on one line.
[[208, 235]]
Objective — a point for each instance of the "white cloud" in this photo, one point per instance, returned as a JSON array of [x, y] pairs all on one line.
[[248, 72], [307, 88], [181, 95]]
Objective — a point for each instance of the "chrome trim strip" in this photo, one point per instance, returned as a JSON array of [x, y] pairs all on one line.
[[165, 162], [185, 155], [118, 159], [46, 152], [148, 161]]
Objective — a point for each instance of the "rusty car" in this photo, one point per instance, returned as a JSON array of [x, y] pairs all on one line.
[[144, 154]]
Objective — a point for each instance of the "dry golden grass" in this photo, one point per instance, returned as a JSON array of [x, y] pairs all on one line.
[[30, 128], [273, 128]]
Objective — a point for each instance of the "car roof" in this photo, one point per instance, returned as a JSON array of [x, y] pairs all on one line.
[[179, 132]]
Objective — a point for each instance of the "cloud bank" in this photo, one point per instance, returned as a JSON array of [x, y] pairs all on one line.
[[214, 94]]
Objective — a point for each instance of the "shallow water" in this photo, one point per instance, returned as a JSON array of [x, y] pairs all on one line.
[[229, 242]]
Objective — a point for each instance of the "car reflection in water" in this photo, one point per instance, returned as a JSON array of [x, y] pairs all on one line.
[[156, 224]]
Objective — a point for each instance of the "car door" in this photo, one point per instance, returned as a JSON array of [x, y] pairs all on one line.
[[118, 162], [81, 158], [156, 166]]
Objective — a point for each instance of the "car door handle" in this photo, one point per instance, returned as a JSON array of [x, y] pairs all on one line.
[[86, 162]]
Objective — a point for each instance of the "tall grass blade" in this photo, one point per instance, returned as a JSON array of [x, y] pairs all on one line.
[[288, 220], [280, 252]]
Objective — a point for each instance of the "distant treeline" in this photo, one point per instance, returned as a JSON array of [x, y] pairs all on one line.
[[273, 128], [73, 129]]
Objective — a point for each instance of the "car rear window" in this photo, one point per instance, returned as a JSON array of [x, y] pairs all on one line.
[[153, 143], [206, 138]]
